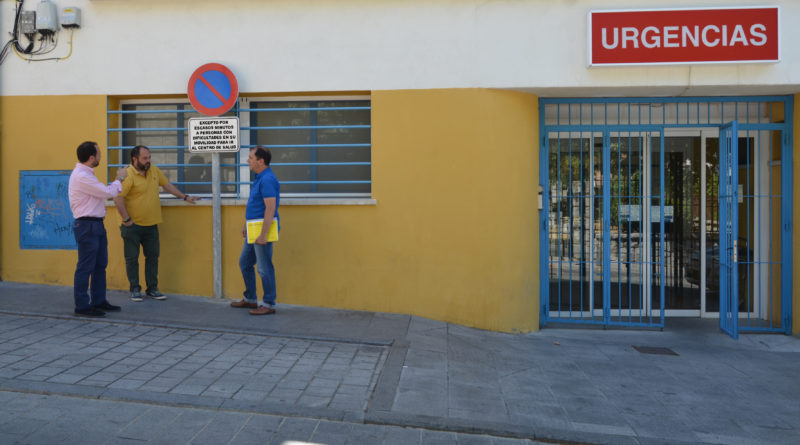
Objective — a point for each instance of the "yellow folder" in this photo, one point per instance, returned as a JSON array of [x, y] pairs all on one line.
[[254, 230]]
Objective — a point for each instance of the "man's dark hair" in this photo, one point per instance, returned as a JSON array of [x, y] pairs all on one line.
[[86, 150], [136, 150], [263, 153]]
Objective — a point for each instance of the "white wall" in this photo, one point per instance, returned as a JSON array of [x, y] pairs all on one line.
[[152, 47]]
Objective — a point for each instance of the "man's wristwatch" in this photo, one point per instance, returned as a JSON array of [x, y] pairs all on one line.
[[185, 197], [126, 221]]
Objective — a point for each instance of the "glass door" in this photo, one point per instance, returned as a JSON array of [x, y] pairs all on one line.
[[683, 222]]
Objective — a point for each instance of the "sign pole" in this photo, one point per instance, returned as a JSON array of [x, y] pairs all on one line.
[[213, 90], [216, 225]]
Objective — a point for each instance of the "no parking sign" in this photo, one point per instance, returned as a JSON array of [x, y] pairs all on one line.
[[213, 89]]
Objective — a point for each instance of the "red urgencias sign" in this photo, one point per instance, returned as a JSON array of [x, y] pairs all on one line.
[[714, 35]]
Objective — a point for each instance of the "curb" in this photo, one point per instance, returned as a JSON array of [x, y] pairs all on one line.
[[201, 328]]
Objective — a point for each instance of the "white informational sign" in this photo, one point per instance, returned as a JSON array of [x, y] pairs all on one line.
[[213, 134], [655, 214], [633, 213], [630, 212]]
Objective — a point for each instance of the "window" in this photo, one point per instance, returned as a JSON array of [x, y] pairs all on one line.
[[320, 147]]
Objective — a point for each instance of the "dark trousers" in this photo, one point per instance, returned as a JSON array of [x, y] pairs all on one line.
[[147, 237], [92, 261]]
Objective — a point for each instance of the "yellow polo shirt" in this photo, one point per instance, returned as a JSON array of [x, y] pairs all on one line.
[[141, 195]]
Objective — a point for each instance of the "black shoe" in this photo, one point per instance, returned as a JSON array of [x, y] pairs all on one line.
[[91, 312], [108, 307], [136, 295], [156, 294]]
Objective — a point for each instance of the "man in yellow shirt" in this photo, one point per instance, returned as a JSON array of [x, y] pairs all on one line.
[[139, 205]]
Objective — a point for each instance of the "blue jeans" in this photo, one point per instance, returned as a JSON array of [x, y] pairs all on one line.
[[92, 261], [260, 255]]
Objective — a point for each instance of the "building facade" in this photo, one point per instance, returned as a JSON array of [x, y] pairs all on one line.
[[466, 161]]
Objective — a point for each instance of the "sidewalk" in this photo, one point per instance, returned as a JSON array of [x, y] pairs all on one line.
[[571, 385]]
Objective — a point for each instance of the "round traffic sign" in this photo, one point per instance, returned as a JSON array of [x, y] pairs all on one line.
[[213, 89]]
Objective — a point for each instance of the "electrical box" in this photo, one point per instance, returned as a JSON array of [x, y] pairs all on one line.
[[71, 17], [46, 17], [27, 22]]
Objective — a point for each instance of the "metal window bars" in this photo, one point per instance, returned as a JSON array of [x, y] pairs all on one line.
[[320, 148]]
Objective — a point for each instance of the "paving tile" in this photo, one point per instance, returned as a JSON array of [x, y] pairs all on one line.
[[473, 439], [21, 426], [364, 434], [294, 429], [326, 428], [315, 401], [126, 384], [438, 438], [185, 427], [660, 427], [66, 378], [33, 377], [259, 429], [285, 395], [291, 382], [396, 435], [250, 395], [345, 401], [421, 401], [150, 424], [485, 415], [221, 429], [189, 389]]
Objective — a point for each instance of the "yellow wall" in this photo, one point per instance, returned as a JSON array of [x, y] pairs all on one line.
[[42, 133], [454, 234]]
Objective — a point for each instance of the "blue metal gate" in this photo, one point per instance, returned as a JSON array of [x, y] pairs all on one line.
[[606, 266], [729, 229], [640, 221]]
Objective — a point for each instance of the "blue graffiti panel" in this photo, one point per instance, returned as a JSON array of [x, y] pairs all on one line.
[[45, 220]]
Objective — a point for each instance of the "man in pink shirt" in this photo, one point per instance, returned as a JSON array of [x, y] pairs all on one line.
[[86, 200]]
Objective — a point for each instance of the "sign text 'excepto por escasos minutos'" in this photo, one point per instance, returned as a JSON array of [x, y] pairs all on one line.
[[210, 134]]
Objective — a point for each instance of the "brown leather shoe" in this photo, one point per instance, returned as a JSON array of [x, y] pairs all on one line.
[[262, 310], [244, 304]]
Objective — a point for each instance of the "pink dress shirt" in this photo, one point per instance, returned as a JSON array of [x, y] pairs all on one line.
[[87, 194]]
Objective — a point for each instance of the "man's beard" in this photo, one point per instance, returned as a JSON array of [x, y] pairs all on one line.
[[142, 167]]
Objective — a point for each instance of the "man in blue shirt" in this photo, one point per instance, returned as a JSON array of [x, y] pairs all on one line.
[[265, 197]]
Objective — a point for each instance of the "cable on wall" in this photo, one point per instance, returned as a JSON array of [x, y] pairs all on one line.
[[27, 26]]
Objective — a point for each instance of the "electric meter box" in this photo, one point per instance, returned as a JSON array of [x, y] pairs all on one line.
[[27, 22], [71, 17], [46, 17]]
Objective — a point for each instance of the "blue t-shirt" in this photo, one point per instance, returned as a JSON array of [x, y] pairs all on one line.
[[265, 186]]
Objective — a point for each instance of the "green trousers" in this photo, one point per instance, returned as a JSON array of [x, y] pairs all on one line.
[[147, 237]]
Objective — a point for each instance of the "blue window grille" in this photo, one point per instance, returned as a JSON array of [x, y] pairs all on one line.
[[320, 148], [631, 210]]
